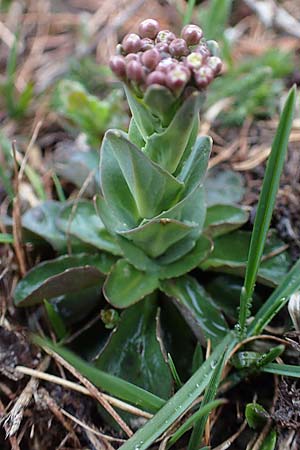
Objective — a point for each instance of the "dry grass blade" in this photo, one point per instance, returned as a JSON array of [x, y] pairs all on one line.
[[227, 444], [93, 391], [78, 388], [14, 417]]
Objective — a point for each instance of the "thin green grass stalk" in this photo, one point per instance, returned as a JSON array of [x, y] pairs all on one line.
[[286, 370], [174, 372], [276, 301], [210, 393], [265, 207], [216, 18], [36, 182], [189, 12], [202, 411], [59, 190], [113, 385], [181, 401]]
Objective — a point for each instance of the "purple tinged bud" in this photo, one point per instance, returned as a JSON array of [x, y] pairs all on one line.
[[165, 36], [215, 64], [131, 43], [194, 61], [203, 77], [149, 28], [203, 50], [156, 77], [118, 66], [147, 44], [151, 58], [132, 57], [192, 34], [166, 64], [135, 71], [178, 48], [177, 78], [162, 47]]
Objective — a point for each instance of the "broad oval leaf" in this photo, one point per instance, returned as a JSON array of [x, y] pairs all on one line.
[[82, 221], [197, 308], [231, 252], [221, 219], [60, 276], [167, 148], [224, 187], [134, 353], [126, 285], [189, 261], [152, 188]]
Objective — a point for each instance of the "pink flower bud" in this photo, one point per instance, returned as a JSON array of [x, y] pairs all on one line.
[[135, 71], [147, 44], [203, 50], [156, 77], [165, 36], [203, 77], [177, 78], [149, 28], [118, 66], [166, 64], [151, 58], [132, 57], [162, 47], [178, 48], [131, 43], [192, 34], [215, 64], [194, 61]]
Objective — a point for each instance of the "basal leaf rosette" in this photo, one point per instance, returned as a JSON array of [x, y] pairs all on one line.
[[152, 178]]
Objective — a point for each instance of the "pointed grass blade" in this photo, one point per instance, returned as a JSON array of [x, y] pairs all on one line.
[[265, 206]]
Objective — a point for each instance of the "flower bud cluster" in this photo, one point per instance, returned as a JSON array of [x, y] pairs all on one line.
[[155, 56]]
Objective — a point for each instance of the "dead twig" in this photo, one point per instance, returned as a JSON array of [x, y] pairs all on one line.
[[93, 390], [13, 419]]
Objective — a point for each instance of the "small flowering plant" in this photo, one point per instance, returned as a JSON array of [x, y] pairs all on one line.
[[152, 179], [155, 217]]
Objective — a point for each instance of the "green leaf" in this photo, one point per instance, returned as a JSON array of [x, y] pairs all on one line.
[[55, 320], [269, 442], [60, 276], [41, 220], [133, 351], [145, 121], [180, 346], [190, 421], [126, 285], [109, 383], [181, 401], [289, 285], [286, 370], [197, 308], [187, 262], [153, 189], [256, 415], [82, 221], [221, 219], [118, 199], [156, 236], [193, 169], [230, 256], [166, 148], [209, 395], [134, 135], [265, 206], [76, 166], [225, 187], [161, 102]]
